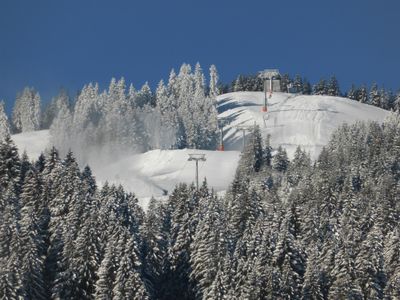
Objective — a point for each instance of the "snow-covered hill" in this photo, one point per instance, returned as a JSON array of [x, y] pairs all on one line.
[[291, 120], [149, 174]]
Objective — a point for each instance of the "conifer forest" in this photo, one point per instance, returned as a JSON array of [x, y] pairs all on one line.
[[285, 229]]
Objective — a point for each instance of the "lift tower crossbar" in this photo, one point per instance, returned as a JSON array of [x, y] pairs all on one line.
[[197, 157]]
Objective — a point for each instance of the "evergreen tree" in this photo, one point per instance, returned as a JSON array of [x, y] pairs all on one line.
[[10, 164], [267, 153], [106, 273], [285, 82], [208, 247], [396, 103], [252, 158], [280, 161], [26, 113], [183, 226], [199, 81], [155, 247], [238, 85], [333, 87], [4, 124], [53, 108], [374, 96], [213, 82], [307, 90], [320, 88], [392, 264], [128, 284], [298, 84], [370, 265], [311, 287], [362, 95], [289, 258], [353, 93], [31, 238]]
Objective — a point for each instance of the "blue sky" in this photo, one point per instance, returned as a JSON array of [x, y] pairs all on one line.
[[51, 44]]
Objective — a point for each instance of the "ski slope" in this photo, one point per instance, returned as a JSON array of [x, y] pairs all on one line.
[[291, 120], [151, 173]]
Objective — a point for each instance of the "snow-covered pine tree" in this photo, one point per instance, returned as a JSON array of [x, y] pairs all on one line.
[[252, 158], [333, 87], [307, 90], [385, 99], [208, 247], [392, 263], [299, 167], [369, 265], [26, 113], [397, 102], [214, 92], [11, 286], [199, 82], [85, 257], [238, 85], [280, 161], [311, 288], [172, 84], [362, 96], [298, 84], [31, 238], [10, 164], [320, 88], [267, 151], [183, 201], [285, 82], [289, 256], [128, 284], [60, 129], [106, 272], [353, 93], [155, 245], [145, 96], [53, 108], [374, 95], [4, 124]]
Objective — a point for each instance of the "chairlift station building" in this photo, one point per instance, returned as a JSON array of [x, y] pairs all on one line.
[[272, 80]]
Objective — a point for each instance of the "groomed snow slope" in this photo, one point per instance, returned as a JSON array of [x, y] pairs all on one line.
[[292, 120], [148, 174]]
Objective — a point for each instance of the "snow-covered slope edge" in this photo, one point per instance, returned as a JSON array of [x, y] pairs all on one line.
[[148, 174], [292, 120]]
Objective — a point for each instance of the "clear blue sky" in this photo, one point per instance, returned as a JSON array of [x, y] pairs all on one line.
[[50, 44]]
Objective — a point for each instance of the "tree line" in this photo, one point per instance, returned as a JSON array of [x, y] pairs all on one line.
[[180, 113], [379, 97]]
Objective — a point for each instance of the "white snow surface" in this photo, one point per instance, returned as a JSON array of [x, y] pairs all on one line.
[[291, 120], [33, 142], [149, 174]]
